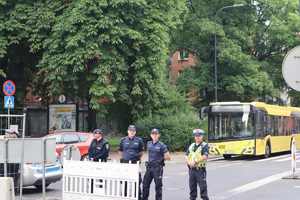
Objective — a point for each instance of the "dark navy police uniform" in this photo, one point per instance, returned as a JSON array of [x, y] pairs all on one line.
[[131, 149], [99, 150], [154, 169]]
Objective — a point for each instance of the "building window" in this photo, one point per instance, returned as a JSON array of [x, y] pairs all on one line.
[[183, 55]]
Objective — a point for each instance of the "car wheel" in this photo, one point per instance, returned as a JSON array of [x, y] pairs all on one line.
[[267, 151], [40, 187], [84, 158]]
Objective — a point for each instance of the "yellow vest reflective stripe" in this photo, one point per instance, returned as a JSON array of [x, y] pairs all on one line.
[[196, 156]]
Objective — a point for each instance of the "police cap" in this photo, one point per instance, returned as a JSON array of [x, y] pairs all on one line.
[[100, 131], [155, 131], [131, 128], [198, 132]]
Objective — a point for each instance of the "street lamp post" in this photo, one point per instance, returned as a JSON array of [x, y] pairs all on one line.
[[215, 46]]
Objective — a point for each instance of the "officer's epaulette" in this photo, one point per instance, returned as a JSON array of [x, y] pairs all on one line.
[[123, 138]]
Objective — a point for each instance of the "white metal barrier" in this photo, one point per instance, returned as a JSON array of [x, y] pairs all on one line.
[[7, 188], [84, 180], [293, 157]]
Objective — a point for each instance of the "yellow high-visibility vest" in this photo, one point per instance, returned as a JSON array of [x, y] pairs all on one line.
[[196, 156]]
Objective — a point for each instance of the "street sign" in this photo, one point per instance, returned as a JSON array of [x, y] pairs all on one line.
[[9, 88], [62, 98], [291, 68], [9, 102]]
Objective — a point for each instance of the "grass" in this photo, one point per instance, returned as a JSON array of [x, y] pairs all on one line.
[[114, 143]]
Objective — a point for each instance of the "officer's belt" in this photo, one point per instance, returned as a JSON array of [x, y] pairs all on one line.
[[129, 161], [155, 164], [197, 168]]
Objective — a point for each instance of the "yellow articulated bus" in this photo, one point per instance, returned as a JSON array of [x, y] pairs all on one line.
[[251, 128]]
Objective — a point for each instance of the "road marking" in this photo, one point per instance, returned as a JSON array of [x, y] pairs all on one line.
[[288, 159], [274, 158], [251, 186], [255, 184], [297, 187], [284, 159]]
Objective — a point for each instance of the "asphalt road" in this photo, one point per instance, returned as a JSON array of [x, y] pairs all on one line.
[[241, 178]]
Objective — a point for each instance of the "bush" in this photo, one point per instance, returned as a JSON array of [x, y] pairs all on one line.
[[176, 121]]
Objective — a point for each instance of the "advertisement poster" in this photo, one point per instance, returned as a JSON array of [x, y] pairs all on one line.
[[62, 117]]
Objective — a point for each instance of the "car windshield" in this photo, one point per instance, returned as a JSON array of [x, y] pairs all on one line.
[[230, 125], [58, 138], [70, 138], [83, 138]]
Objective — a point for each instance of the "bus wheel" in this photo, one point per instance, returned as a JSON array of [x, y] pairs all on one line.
[[268, 151], [227, 156]]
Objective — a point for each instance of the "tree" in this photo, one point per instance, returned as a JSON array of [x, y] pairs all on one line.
[[252, 41], [95, 50], [2, 73]]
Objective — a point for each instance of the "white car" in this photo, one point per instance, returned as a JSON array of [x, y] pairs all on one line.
[[33, 174]]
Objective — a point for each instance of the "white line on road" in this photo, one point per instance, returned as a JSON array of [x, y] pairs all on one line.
[[274, 158], [287, 159], [255, 184], [251, 186]]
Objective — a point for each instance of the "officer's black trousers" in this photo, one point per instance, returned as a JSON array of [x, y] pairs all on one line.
[[198, 177], [155, 173]]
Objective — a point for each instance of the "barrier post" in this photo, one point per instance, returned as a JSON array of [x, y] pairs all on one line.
[[293, 158]]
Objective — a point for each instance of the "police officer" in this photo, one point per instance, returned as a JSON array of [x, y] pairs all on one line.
[[158, 153], [99, 148], [196, 157], [131, 150], [131, 147]]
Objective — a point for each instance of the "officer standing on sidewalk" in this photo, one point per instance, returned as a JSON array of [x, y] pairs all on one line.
[[158, 153], [196, 157], [99, 148], [131, 150]]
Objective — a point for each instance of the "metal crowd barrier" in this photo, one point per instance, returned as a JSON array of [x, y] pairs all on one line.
[[95, 180]]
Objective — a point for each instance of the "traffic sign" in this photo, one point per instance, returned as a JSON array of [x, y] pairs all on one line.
[[9, 88], [291, 68], [9, 102], [62, 98]]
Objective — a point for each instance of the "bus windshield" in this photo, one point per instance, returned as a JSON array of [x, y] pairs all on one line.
[[231, 125]]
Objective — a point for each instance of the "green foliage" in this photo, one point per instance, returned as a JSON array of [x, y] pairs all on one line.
[[2, 73], [114, 143], [95, 49], [252, 41], [175, 119]]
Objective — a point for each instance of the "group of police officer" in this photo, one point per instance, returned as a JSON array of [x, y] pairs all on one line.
[[131, 151]]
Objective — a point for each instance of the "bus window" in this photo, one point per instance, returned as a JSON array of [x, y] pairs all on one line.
[[260, 123], [230, 125]]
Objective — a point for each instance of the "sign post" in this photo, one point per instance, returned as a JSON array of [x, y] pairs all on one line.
[[9, 89], [290, 72]]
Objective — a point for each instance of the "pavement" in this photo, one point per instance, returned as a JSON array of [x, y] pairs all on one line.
[[240, 178]]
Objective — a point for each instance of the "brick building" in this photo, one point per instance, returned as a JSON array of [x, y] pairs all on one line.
[[180, 60]]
